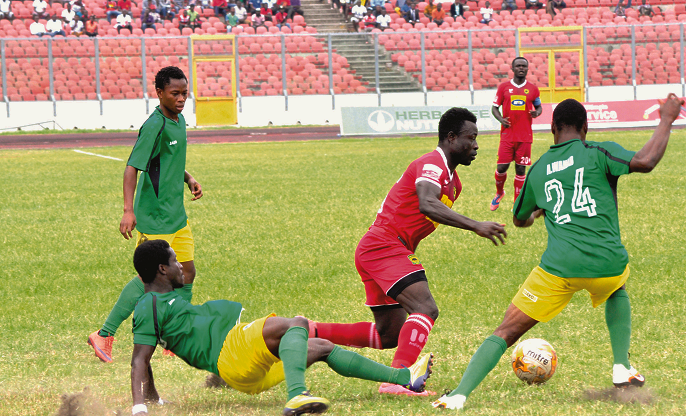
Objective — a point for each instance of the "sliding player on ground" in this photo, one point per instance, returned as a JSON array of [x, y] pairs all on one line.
[[574, 184], [249, 357], [394, 278], [521, 103], [158, 211]]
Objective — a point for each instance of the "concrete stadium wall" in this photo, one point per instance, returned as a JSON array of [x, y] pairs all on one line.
[[261, 111]]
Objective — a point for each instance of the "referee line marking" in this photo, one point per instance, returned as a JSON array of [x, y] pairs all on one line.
[[95, 154]]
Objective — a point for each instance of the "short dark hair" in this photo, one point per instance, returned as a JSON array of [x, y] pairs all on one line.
[[148, 257], [166, 74], [453, 120], [520, 57], [570, 113]]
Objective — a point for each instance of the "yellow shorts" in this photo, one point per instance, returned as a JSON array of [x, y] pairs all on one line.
[[181, 242], [245, 363], [544, 295]]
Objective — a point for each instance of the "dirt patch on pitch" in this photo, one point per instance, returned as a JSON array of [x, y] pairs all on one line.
[[625, 395], [83, 404]]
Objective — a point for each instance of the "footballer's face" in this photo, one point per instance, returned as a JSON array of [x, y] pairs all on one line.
[[520, 67], [463, 144], [175, 271], [173, 96]]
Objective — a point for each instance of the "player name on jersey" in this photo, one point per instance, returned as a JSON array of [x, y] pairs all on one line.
[[560, 165]]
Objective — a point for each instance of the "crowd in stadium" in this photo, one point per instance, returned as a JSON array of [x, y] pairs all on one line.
[[94, 18]]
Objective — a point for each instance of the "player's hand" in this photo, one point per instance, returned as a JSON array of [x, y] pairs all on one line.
[[127, 224], [534, 113], [195, 188], [491, 230], [505, 122], [670, 108]]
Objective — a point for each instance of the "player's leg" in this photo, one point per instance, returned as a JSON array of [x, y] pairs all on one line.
[[505, 156], [417, 301], [515, 324], [522, 158]]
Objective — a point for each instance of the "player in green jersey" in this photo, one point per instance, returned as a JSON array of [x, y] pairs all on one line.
[[250, 357], [158, 211], [574, 184]]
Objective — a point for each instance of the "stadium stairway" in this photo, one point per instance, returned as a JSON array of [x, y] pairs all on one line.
[[359, 50], [320, 15]]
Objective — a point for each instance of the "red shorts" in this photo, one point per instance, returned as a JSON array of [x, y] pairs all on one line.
[[518, 152], [382, 262]]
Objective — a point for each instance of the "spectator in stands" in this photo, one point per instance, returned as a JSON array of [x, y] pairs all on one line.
[[371, 4], [358, 15], [620, 9], [383, 20], [377, 10], [628, 5], [79, 9], [194, 17], [253, 5], [123, 21], [231, 20], [286, 4], [92, 27], [241, 12], [345, 7], [509, 5], [6, 10], [54, 26], [155, 13], [125, 5], [369, 22], [148, 21], [257, 19], [111, 10], [78, 27], [486, 13], [37, 28], [295, 9], [555, 4], [533, 4], [412, 16], [645, 9], [280, 18], [458, 8], [68, 14], [219, 7], [429, 9], [266, 12], [438, 15], [167, 10], [403, 9], [184, 20], [40, 8]]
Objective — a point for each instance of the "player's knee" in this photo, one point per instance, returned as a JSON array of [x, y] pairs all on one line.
[[299, 321]]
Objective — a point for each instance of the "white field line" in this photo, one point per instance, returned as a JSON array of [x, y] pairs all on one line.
[[95, 154]]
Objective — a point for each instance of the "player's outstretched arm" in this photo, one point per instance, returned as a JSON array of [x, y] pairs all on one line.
[[431, 206], [193, 185], [650, 155], [142, 381], [128, 221]]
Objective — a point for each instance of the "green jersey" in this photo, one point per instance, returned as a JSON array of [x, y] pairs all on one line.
[[232, 20], [160, 154], [195, 333], [575, 183]]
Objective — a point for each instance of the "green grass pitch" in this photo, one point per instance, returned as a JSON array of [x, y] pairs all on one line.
[[276, 230]]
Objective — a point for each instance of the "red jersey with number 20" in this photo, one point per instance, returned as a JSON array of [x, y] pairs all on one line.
[[517, 101], [399, 214]]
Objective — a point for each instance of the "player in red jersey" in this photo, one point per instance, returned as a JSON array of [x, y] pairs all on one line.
[[394, 279], [521, 103]]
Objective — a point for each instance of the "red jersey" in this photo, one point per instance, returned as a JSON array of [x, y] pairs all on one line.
[[399, 214], [517, 101]]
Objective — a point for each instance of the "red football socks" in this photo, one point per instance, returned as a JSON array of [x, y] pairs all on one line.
[[359, 335], [500, 179], [518, 183], [412, 338]]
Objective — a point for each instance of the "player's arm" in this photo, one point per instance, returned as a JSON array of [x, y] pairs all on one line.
[[128, 221], [650, 155], [193, 185], [496, 113], [527, 222], [430, 205], [142, 381], [538, 108]]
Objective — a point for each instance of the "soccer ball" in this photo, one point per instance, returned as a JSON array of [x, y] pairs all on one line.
[[534, 361]]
